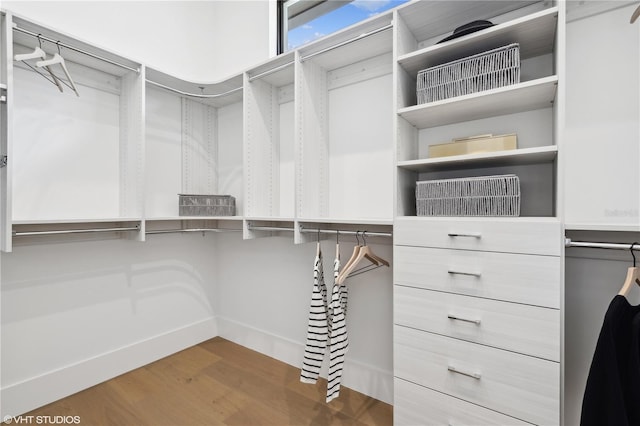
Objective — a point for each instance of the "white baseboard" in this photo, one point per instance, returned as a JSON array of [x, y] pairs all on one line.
[[358, 376], [25, 396]]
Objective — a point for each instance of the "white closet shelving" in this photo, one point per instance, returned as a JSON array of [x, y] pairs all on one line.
[[194, 145], [453, 276], [345, 139], [527, 108], [71, 160]]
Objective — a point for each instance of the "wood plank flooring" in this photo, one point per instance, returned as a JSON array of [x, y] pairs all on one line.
[[217, 383]]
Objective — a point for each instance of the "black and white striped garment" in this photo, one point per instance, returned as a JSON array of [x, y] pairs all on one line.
[[318, 328], [338, 342]]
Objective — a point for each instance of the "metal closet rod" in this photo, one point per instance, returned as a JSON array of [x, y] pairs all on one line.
[[195, 95], [74, 231], [271, 71], [335, 46], [333, 232], [75, 49], [612, 246], [173, 231]]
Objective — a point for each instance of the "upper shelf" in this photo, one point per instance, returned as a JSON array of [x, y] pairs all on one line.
[[279, 71], [544, 154], [527, 96], [535, 33]]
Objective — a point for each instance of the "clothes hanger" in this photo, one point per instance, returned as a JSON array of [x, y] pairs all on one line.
[[354, 255], [58, 59], [318, 245], [635, 15], [633, 275], [338, 245], [364, 252], [38, 53]]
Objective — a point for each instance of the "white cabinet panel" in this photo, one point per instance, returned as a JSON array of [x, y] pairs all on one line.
[[602, 140], [533, 280], [517, 235], [518, 385], [521, 328], [417, 405]]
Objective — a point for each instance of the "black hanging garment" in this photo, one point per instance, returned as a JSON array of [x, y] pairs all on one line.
[[612, 394]]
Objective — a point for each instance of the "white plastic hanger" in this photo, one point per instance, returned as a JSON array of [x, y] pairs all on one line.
[[57, 59], [38, 53], [633, 275]]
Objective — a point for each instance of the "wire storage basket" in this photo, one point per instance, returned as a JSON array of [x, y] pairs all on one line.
[[206, 205], [475, 196], [483, 71]]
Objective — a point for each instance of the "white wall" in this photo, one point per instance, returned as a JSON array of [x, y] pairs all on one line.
[[194, 40], [77, 313], [264, 294]]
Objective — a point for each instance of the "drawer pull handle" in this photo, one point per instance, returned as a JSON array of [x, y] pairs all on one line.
[[474, 321], [465, 234], [471, 274], [453, 369]]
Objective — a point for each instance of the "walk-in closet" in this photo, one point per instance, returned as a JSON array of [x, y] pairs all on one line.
[[430, 216]]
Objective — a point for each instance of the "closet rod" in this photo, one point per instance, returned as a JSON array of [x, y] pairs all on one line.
[[611, 246], [335, 46], [74, 231], [333, 232], [75, 49], [195, 95], [271, 71], [172, 231]]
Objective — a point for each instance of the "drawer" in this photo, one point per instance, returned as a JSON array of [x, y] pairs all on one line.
[[521, 328], [517, 385], [534, 280], [511, 235], [417, 405]]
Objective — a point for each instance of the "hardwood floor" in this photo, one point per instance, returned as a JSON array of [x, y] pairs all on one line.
[[217, 383]]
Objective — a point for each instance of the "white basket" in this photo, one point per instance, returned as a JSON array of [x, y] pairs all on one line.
[[483, 71], [476, 196]]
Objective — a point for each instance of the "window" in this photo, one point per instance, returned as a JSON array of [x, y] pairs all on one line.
[[303, 21]]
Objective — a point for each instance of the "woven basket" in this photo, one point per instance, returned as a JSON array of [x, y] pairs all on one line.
[[483, 71], [206, 205], [477, 196]]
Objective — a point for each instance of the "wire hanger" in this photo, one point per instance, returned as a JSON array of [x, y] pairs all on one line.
[[318, 245], [58, 59], [38, 53], [633, 275]]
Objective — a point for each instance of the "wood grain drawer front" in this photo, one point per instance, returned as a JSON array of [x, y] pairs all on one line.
[[417, 405], [515, 235], [521, 386], [534, 280], [521, 328]]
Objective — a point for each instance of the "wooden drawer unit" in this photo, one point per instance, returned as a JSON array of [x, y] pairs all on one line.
[[417, 405], [533, 280], [512, 235], [517, 385], [525, 329]]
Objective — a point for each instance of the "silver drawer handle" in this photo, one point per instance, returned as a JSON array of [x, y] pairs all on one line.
[[465, 234], [474, 321], [471, 274], [476, 376]]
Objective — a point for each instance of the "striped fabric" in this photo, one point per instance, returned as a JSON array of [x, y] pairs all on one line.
[[318, 328], [338, 343]]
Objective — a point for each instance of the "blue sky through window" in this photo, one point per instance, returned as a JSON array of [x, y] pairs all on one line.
[[337, 19]]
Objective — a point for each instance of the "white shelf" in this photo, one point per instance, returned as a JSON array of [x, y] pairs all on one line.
[[535, 33], [70, 221], [354, 221], [527, 96], [544, 154], [601, 227], [172, 218], [269, 219]]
